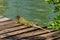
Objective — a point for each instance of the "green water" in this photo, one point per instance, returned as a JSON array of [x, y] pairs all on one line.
[[36, 11]]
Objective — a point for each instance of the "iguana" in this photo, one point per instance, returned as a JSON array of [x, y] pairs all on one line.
[[23, 21]]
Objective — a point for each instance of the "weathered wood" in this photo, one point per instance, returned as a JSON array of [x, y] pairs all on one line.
[[9, 28], [7, 24], [49, 34], [4, 19], [41, 28], [12, 29], [17, 32], [33, 33], [56, 37]]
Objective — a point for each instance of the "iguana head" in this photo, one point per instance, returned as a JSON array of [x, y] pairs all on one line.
[[18, 17]]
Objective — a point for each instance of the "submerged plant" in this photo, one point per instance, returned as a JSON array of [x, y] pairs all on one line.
[[55, 24]]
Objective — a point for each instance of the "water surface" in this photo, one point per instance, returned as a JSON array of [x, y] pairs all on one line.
[[36, 11]]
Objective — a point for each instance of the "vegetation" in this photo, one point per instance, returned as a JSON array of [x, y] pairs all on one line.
[[55, 24], [3, 6], [56, 4]]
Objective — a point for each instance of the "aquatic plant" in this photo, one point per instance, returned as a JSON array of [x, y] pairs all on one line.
[[55, 24], [56, 4]]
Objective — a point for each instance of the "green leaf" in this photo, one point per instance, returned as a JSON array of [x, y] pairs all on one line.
[[56, 23]]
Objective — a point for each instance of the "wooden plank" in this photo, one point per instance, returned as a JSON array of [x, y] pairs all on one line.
[[42, 28], [8, 24], [55, 38], [49, 34], [33, 33], [17, 32], [4, 19], [58, 37], [12, 29]]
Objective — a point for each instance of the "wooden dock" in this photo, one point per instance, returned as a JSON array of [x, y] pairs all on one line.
[[10, 30]]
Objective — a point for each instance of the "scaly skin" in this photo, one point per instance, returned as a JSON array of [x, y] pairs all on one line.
[[22, 21]]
